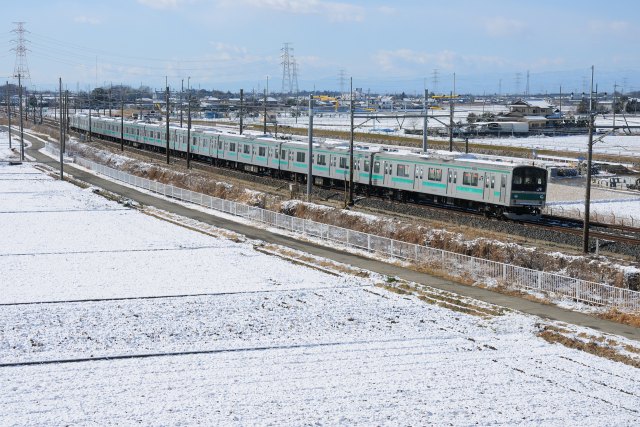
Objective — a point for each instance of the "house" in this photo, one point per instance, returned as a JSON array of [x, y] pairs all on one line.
[[530, 108]]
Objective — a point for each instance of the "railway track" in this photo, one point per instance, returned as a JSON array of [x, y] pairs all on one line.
[[605, 233]]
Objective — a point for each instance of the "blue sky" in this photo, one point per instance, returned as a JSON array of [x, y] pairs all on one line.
[[384, 45]]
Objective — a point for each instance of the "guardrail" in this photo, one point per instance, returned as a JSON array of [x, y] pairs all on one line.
[[570, 211], [476, 269]]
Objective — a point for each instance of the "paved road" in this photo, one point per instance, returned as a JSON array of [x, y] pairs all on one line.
[[531, 307]]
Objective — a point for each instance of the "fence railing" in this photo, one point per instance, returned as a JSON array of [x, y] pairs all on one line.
[[476, 269]]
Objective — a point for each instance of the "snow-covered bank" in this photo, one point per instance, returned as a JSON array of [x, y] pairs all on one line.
[[279, 343]]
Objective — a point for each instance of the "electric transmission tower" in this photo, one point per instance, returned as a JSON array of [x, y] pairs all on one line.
[[435, 78], [526, 91], [287, 54], [294, 74], [21, 67], [518, 81], [342, 78]]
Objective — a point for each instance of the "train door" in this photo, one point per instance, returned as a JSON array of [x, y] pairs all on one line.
[[452, 181], [503, 188]]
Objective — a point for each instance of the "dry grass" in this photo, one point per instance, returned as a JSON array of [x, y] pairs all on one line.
[[407, 231], [443, 299], [631, 319], [593, 345]]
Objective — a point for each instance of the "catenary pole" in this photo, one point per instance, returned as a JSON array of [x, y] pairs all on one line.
[[264, 125], [61, 136], [89, 136], [167, 120], [587, 196], [9, 112], [121, 119], [350, 202], [189, 130], [424, 121], [310, 164], [21, 118], [241, 110], [451, 107], [181, 97]]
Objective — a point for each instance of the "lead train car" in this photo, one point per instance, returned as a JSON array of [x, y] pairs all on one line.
[[487, 184]]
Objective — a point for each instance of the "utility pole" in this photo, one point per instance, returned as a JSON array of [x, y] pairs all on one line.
[[451, 107], [189, 130], [241, 109], [424, 122], [350, 203], [587, 197], [181, 95], [121, 119], [61, 136], [21, 119], [561, 101], [310, 167], [615, 88], [89, 96], [40, 108], [110, 89], [9, 112], [264, 125], [167, 120]]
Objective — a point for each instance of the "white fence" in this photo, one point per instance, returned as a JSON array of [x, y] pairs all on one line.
[[477, 269]]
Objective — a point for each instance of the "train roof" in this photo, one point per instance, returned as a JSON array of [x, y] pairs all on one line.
[[343, 145]]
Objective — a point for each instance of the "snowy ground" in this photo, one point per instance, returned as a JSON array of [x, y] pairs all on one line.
[[566, 197], [618, 144], [236, 336]]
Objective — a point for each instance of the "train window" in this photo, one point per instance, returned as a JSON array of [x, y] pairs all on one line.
[[366, 166], [402, 170], [529, 179], [455, 177], [470, 178], [493, 182], [376, 167], [195, 141], [343, 163], [219, 144], [436, 174], [300, 156], [262, 151], [503, 181], [276, 153], [322, 159], [232, 146], [247, 149], [283, 154]]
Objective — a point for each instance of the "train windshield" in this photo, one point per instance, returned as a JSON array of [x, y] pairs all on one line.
[[529, 179]]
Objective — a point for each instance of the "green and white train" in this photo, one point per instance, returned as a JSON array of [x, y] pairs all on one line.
[[486, 183]]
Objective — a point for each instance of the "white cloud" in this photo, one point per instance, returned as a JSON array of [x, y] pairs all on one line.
[[412, 62], [333, 11], [162, 4], [86, 20], [609, 26], [504, 27]]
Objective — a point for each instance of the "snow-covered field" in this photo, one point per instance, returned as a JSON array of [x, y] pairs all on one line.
[[162, 325], [619, 144]]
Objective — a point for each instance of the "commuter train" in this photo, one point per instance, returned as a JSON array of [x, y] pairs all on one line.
[[484, 183]]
